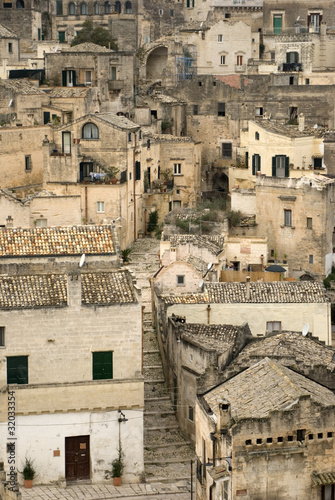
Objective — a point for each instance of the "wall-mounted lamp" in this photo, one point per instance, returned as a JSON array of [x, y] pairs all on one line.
[[210, 462], [122, 417]]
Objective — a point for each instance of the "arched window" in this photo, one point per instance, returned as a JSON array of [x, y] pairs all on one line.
[[72, 9], [83, 9], [107, 8], [96, 8], [118, 7], [90, 131], [19, 4], [128, 8]]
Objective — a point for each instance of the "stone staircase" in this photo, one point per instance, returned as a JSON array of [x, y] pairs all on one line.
[[167, 454]]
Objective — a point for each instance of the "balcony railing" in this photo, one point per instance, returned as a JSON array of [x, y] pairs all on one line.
[[292, 67]]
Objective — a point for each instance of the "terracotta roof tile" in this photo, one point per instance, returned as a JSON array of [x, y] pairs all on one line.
[[217, 337], [44, 241], [107, 288]]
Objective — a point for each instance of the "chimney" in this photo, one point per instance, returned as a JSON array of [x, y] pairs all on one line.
[[74, 289], [224, 416], [248, 287], [301, 120]]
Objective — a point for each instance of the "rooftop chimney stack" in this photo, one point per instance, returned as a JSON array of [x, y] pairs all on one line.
[[248, 287], [301, 121]]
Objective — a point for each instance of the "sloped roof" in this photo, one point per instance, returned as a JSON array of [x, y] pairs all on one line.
[[68, 92], [271, 292], [216, 337], [6, 32], [212, 243], [45, 241], [118, 121], [266, 387], [107, 288], [233, 80], [87, 47], [291, 131], [21, 86], [47, 290]]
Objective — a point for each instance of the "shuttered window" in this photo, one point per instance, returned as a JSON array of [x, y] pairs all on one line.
[[102, 365], [256, 164], [17, 370], [280, 166], [137, 170]]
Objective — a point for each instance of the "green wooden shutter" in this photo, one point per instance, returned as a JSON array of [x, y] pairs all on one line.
[[64, 78], [137, 170], [17, 370], [259, 163], [102, 365], [273, 166], [287, 166], [253, 165]]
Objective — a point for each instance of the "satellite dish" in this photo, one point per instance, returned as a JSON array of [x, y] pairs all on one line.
[[210, 265], [82, 260], [201, 283], [10, 103], [305, 329], [298, 18]]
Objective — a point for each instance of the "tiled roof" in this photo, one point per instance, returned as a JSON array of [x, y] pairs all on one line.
[[323, 478], [271, 292], [281, 129], [68, 92], [218, 337], [266, 387], [119, 121], [107, 288], [171, 138], [6, 33], [291, 348], [21, 86], [212, 243], [232, 80], [44, 241], [47, 290], [88, 47]]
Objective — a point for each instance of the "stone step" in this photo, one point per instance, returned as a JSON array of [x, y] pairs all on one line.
[[170, 436], [167, 445], [161, 420], [173, 471], [157, 390], [161, 405]]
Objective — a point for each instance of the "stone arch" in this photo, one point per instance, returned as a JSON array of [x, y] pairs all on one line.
[[128, 7], [156, 63], [220, 183]]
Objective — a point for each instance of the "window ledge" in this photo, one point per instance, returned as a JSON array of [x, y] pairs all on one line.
[[290, 227]]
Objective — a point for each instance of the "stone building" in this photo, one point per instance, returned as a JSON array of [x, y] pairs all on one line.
[[21, 102], [286, 305], [267, 422], [9, 46]]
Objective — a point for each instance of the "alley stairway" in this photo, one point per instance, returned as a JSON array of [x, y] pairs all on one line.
[[167, 455]]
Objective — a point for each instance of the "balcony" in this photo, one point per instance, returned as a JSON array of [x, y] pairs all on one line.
[[292, 66], [115, 84]]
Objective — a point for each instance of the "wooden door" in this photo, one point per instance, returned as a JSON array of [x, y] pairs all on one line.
[[77, 458]]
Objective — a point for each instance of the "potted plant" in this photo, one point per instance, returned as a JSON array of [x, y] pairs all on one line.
[[285, 259], [125, 255], [166, 174], [111, 174], [28, 472], [117, 468]]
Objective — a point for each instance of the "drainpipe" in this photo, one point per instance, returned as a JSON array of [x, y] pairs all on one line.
[[248, 287], [208, 314], [86, 212], [134, 184]]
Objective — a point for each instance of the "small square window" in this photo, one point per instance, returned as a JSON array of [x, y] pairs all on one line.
[[191, 413], [248, 442], [289, 438], [280, 439], [177, 191], [180, 280], [227, 15], [221, 109], [2, 336], [309, 223], [259, 441], [310, 436], [320, 435], [101, 207], [329, 434], [310, 259], [259, 111], [195, 109], [220, 38], [269, 440], [273, 326]]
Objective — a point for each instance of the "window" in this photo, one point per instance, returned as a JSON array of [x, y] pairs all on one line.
[[88, 77], [195, 109], [222, 59], [328, 492], [27, 162], [100, 207], [140, 135], [227, 150], [258, 441], [113, 73], [191, 413], [289, 438], [220, 38], [225, 490], [309, 223], [329, 434], [189, 3], [129, 137], [7, 5], [301, 433], [320, 435], [314, 21], [259, 111], [269, 440], [180, 280], [171, 12], [2, 336], [277, 24], [280, 439], [19, 4], [306, 81], [291, 81], [287, 218], [137, 170], [227, 15], [317, 163], [176, 205], [177, 168], [96, 8], [256, 164], [221, 109], [239, 60], [90, 131], [248, 442], [66, 142], [273, 326], [102, 365], [129, 9], [280, 166], [107, 7], [310, 259], [41, 222], [59, 7], [71, 9], [148, 144], [257, 136], [17, 370], [83, 9], [10, 48]]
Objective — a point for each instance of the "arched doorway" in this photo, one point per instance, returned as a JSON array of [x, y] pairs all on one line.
[[156, 63], [220, 183]]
